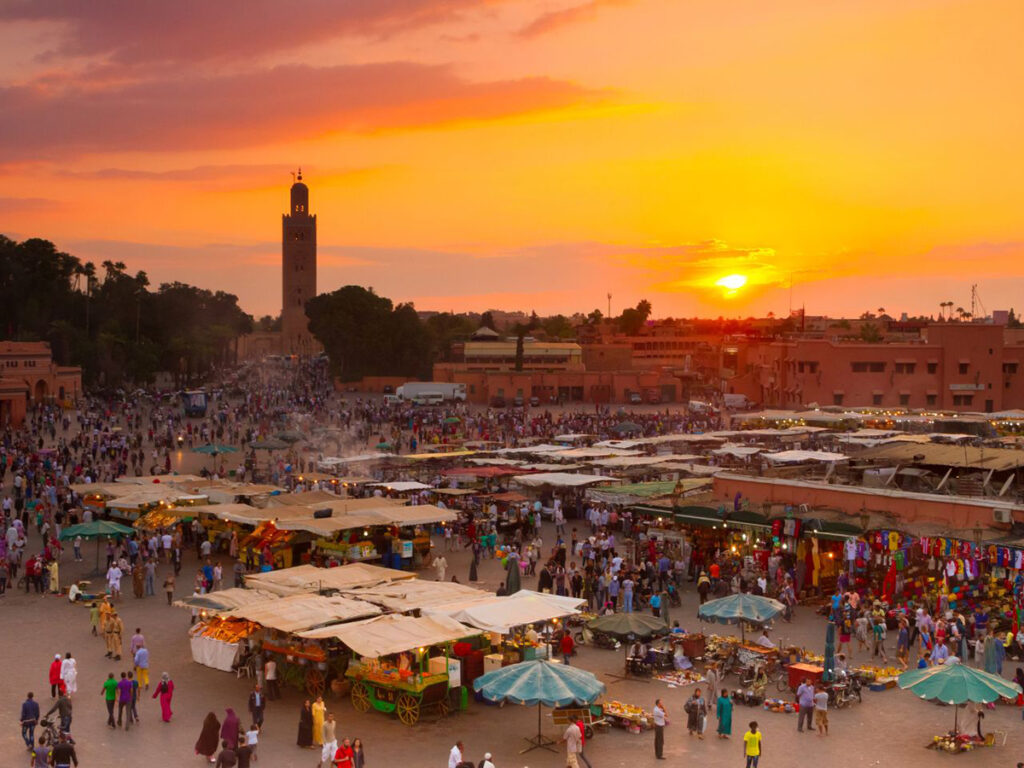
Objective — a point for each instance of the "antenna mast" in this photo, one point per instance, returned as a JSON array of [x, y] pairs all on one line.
[[976, 303]]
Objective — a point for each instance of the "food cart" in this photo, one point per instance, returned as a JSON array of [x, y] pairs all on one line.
[[303, 663], [393, 669]]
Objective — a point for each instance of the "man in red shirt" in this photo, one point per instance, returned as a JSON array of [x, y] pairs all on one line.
[[567, 645], [715, 572]]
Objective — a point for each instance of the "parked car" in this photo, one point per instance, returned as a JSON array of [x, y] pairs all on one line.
[[534, 401], [517, 401], [653, 397], [497, 401], [635, 399]]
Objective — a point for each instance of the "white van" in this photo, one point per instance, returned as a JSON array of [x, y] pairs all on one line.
[[392, 399], [428, 398]]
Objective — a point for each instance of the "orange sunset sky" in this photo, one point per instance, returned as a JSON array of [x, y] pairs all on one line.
[[530, 154]]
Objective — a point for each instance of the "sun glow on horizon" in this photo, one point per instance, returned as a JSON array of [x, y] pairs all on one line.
[[731, 283]]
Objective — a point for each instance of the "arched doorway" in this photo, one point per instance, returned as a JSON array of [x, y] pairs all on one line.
[[40, 391]]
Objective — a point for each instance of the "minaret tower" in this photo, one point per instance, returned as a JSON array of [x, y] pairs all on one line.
[[298, 271]]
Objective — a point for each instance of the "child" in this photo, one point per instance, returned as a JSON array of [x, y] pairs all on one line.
[[252, 737], [861, 630]]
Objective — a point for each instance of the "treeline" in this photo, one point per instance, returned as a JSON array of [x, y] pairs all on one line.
[[109, 321], [365, 334]]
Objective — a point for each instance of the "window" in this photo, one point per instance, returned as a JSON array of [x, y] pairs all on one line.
[[298, 236], [1009, 368], [807, 366], [933, 367], [962, 368], [859, 367], [869, 367], [931, 399], [904, 399], [876, 399], [963, 399], [837, 399], [905, 367]]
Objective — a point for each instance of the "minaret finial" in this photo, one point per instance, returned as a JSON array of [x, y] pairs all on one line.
[[300, 173]]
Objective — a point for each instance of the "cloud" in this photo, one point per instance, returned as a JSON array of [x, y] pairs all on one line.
[[564, 17], [217, 175], [193, 31], [28, 204], [249, 109]]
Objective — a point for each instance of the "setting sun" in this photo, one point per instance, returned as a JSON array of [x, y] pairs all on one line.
[[731, 283]]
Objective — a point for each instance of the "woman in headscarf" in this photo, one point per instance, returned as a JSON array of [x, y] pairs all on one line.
[[165, 690], [229, 730], [208, 741], [305, 739], [319, 710]]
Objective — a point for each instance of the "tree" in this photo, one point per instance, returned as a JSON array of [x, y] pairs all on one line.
[[558, 327], [487, 321], [1012, 321], [869, 332], [644, 308], [365, 335], [595, 317], [521, 330]]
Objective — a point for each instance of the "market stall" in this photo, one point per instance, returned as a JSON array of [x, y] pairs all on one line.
[[308, 578], [302, 663], [402, 663]]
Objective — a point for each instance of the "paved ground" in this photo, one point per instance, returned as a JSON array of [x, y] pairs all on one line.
[[889, 728]]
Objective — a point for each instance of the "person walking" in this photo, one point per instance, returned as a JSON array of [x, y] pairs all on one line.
[[230, 728], [63, 709], [109, 694], [124, 701], [169, 587], [659, 729], [270, 677], [206, 744], [329, 738], [753, 745], [257, 704], [29, 720], [69, 674], [141, 662], [723, 711], [696, 711], [567, 645], [55, 676], [573, 739], [821, 711], [165, 690], [359, 757], [63, 754], [805, 699]]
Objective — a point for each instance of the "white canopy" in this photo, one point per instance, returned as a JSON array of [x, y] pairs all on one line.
[[793, 457], [414, 594], [393, 633], [309, 578], [401, 486], [226, 599], [737, 451], [560, 479], [299, 612], [501, 614]]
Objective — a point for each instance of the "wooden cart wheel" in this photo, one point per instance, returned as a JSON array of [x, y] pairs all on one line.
[[360, 697], [588, 732], [315, 682], [408, 709], [444, 706]]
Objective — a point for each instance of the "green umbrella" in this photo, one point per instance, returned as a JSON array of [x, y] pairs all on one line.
[[957, 684], [628, 626], [97, 529], [742, 609], [453, 420], [627, 426], [543, 684], [290, 436], [383, 446], [213, 449]]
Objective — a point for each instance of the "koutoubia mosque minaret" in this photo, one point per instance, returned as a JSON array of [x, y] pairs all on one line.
[[298, 272]]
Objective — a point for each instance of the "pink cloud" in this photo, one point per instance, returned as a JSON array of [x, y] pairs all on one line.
[[553, 20], [250, 109], [190, 31]]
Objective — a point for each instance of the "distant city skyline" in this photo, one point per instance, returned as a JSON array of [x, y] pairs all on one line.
[[531, 154]]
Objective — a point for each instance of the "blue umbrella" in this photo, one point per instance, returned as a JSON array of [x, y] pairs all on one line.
[[742, 609], [540, 683]]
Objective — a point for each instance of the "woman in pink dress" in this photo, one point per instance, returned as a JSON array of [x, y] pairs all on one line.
[[165, 690]]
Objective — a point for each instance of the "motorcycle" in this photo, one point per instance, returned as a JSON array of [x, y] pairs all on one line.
[[845, 691]]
